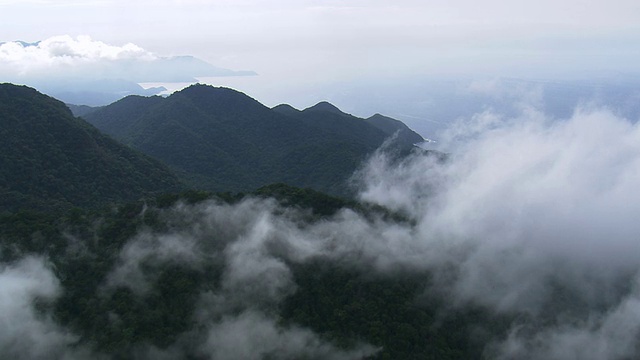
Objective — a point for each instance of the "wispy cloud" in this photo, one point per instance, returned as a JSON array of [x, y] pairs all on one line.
[[528, 213], [64, 66], [24, 332], [66, 51]]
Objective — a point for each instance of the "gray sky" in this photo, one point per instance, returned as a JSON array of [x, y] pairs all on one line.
[[303, 44]]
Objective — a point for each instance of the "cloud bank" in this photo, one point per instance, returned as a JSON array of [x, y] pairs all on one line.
[[65, 50], [27, 333], [529, 210], [83, 57], [90, 72], [238, 319]]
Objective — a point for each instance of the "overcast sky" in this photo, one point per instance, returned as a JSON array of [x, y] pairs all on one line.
[[299, 43]]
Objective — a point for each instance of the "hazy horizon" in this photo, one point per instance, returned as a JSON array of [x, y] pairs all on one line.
[[305, 51]]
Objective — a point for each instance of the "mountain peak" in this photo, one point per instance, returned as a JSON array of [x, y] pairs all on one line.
[[285, 109], [199, 89], [392, 126], [212, 98], [325, 106], [64, 161]]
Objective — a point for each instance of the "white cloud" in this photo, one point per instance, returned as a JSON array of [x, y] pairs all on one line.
[[64, 50], [612, 335], [529, 200], [85, 71], [66, 64], [25, 332]]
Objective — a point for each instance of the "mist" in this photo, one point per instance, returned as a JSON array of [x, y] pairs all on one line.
[[26, 332], [527, 216], [81, 70], [529, 210]]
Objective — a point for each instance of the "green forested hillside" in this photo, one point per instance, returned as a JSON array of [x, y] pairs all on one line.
[[392, 126], [51, 160], [220, 139], [278, 273], [159, 278]]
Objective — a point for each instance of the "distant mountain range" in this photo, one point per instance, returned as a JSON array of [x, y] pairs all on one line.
[[51, 160], [95, 92], [202, 137], [80, 71], [221, 139]]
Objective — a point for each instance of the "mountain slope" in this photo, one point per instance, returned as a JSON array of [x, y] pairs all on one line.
[[147, 270], [80, 110], [371, 130], [223, 140], [326, 106], [392, 126], [51, 160]]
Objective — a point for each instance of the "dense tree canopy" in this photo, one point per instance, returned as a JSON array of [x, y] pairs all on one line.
[[222, 140], [51, 160]]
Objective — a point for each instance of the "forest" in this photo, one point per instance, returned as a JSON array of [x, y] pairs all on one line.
[[508, 248], [157, 303]]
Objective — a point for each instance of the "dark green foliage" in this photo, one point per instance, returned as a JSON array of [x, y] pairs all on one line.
[[51, 161], [222, 140], [394, 127], [189, 197], [120, 319], [321, 204], [60, 165], [84, 248], [342, 303], [387, 310], [27, 232]]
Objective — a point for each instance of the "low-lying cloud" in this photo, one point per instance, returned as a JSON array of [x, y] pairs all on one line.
[[25, 332], [251, 242], [526, 206]]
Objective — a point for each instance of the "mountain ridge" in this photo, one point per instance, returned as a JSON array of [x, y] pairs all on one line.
[[221, 139], [395, 127], [50, 159], [325, 106]]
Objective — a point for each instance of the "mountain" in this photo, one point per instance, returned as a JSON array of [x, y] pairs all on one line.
[[94, 92], [223, 140], [81, 110], [51, 160], [161, 278], [330, 117], [286, 109], [327, 107], [392, 127]]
